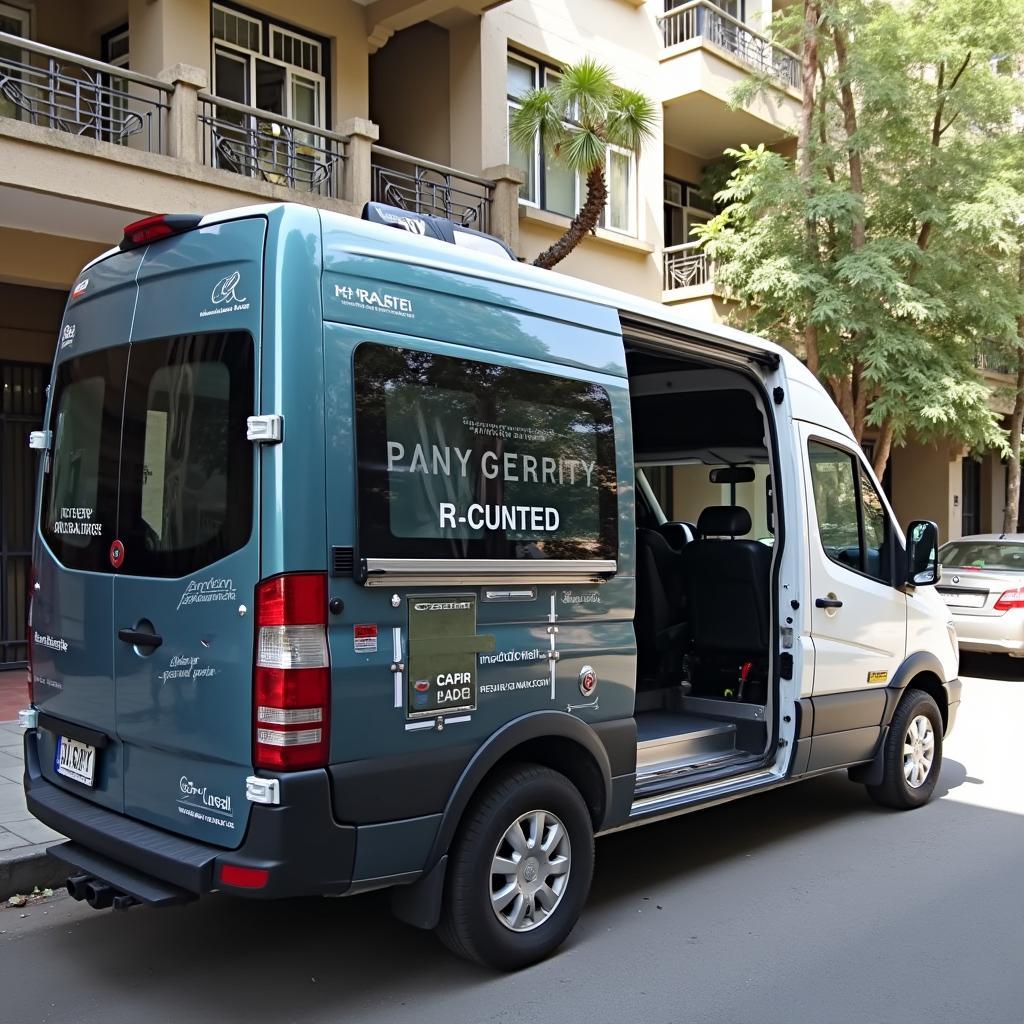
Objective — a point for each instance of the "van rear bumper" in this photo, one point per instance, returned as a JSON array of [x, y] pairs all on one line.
[[303, 849]]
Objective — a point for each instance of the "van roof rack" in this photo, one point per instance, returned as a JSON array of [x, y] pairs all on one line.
[[441, 228]]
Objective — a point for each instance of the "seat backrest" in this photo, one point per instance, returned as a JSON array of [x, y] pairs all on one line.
[[727, 584]]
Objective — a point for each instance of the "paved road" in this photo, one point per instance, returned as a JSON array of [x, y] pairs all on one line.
[[807, 905]]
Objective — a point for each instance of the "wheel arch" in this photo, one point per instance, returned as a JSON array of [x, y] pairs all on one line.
[[554, 739]]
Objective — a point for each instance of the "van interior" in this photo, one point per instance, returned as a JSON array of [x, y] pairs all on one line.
[[705, 543]]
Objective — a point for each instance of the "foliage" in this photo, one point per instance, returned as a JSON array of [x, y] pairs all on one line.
[[885, 253], [577, 120]]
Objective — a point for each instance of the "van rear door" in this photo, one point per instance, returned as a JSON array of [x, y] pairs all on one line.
[[71, 625], [182, 597]]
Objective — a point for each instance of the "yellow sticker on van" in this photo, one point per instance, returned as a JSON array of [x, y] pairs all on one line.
[[878, 677]]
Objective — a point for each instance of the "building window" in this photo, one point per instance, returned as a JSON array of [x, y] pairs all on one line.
[[15, 21], [262, 64], [549, 184], [685, 207]]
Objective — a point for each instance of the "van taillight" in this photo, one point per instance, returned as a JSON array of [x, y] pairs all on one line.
[[292, 677], [152, 229], [1010, 599]]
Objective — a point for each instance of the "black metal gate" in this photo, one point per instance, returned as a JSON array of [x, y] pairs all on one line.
[[22, 401], [970, 497]]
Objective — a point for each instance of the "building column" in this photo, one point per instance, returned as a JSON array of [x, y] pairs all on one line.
[[358, 179], [505, 203], [183, 131]]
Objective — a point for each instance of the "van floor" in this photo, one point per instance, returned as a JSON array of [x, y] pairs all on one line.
[[670, 739]]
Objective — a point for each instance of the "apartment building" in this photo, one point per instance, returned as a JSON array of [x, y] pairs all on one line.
[[114, 109]]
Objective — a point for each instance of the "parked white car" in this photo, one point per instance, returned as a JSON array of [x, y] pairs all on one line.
[[983, 586]]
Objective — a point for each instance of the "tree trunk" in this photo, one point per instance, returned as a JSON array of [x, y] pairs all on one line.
[[809, 74], [858, 235], [582, 224], [883, 446], [1011, 510]]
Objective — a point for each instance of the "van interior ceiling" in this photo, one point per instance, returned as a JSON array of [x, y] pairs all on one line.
[[704, 548]]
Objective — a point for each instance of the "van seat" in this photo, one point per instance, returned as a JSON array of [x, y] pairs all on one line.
[[727, 585]]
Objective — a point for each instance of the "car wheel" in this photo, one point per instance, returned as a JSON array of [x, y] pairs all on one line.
[[912, 758], [519, 870]]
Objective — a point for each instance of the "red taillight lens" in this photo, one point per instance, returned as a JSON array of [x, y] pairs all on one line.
[[152, 229], [1010, 599], [292, 677], [243, 878]]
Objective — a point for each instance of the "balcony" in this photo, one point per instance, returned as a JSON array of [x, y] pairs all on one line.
[[707, 53], [688, 279], [85, 145]]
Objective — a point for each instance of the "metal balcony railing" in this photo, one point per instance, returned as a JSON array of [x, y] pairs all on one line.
[[61, 90], [272, 148], [433, 189], [686, 265], [705, 21]]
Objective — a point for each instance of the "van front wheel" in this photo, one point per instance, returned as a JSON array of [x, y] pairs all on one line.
[[519, 870], [912, 758]]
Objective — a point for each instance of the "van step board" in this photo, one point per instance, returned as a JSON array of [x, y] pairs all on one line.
[[668, 739]]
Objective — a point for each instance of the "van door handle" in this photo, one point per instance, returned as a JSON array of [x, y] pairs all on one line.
[[139, 639], [827, 602]]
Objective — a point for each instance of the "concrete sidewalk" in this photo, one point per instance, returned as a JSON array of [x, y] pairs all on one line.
[[23, 839]]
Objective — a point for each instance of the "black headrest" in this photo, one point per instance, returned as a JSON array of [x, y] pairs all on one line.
[[723, 521]]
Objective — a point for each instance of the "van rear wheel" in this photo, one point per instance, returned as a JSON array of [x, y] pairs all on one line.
[[912, 758], [519, 870]]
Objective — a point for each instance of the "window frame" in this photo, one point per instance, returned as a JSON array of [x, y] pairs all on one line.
[[691, 214], [268, 27], [859, 467], [541, 70]]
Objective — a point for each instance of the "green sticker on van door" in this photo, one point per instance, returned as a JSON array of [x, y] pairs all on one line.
[[443, 645]]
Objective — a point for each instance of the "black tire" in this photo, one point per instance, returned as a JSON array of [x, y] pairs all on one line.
[[895, 790], [469, 925]]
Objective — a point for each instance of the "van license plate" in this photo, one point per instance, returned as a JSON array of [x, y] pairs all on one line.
[[76, 760]]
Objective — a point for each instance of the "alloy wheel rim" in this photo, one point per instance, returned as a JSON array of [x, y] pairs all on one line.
[[530, 870], [918, 751]]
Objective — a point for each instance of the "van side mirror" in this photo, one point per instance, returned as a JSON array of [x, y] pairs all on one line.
[[922, 554]]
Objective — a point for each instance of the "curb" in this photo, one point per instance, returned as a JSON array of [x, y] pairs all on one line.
[[22, 874]]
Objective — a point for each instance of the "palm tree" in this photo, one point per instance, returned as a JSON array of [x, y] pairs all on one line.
[[578, 119]]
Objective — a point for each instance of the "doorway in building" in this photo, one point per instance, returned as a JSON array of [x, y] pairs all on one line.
[[22, 397], [970, 497]]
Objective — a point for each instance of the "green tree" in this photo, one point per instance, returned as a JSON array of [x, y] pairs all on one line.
[[868, 253], [578, 119]]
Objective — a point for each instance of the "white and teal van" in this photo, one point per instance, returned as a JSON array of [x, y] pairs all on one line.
[[368, 559]]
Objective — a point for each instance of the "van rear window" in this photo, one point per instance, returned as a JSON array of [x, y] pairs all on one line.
[[177, 488], [463, 459], [80, 489], [186, 466]]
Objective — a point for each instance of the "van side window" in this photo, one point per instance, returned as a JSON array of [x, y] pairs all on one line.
[[80, 491], [186, 468], [462, 459], [852, 521]]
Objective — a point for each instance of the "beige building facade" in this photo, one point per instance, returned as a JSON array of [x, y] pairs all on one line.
[[111, 110]]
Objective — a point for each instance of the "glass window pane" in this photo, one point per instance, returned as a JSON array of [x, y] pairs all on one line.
[[79, 504], [620, 187], [835, 503], [521, 77], [526, 161], [187, 468], [460, 459], [559, 188], [876, 530]]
